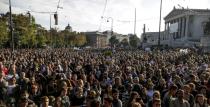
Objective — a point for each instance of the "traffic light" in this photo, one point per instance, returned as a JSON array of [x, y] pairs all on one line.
[[56, 18], [29, 16]]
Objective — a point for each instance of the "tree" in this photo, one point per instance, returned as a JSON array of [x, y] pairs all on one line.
[[124, 42], [73, 38], [80, 39], [25, 29], [4, 35], [113, 41], [28, 34], [41, 37], [134, 40]]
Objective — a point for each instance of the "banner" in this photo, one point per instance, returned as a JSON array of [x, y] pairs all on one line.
[[173, 28]]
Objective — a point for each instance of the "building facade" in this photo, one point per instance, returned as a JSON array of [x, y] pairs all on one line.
[[120, 37], [96, 39], [151, 39], [183, 28], [68, 28]]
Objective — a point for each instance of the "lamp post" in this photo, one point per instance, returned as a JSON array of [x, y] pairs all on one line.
[[160, 22], [11, 28], [112, 21]]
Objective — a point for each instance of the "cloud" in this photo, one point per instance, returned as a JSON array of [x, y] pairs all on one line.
[[85, 15]]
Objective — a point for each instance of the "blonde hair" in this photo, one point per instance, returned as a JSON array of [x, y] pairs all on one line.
[[156, 93]]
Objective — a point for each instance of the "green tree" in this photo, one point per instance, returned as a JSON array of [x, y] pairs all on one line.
[[113, 41], [41, 36], [4, 35], [80, 39], [73, 38], [25, 29], [124, 42], [134, 40]]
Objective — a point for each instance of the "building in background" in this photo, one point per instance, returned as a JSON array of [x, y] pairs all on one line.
[[118, 36], [151, 39], [68, 28], [96, 39], [183, 28]]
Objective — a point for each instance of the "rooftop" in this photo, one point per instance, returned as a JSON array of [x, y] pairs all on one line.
[[176, 12]]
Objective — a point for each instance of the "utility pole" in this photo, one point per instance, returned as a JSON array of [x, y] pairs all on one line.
[[160, 23], [112, 21], [11, 28], [50, 31], [135, 23]]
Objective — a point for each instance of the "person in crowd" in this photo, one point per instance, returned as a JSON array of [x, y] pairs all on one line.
[[108, 102], [65, 98], [133, 96], [116, 101], [90, 77], [58, 102], [156, 102], [78, 98], [44, 101], [156, 95], [200, 101], [3, 88], [188, 96], [169, 95], [179, 101]]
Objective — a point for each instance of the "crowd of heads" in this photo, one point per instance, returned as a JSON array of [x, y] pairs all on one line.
[[85, 78]]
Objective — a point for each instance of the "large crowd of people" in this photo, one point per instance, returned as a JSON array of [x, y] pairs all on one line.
[[85, 78]]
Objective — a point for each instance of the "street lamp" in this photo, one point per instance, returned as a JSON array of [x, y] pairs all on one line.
[[112, 21], [160, 22]]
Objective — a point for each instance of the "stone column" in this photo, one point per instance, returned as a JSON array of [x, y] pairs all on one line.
[[187, 27], [182, 29], [180, 25], [165, 30]]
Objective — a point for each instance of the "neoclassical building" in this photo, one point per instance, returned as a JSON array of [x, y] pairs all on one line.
[[185, 28]]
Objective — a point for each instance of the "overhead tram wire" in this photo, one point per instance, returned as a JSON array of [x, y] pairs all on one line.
[[50, 13], [102, 14], [41, 12], [138, 20]]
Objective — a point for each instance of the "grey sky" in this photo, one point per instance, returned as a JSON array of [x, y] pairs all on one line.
[[85, 15]]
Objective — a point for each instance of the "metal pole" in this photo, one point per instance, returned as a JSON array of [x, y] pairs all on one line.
[[11, 27], [111, 24], [50, 31], [135, 23], [160, 23]]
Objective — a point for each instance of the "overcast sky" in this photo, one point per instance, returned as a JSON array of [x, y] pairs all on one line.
[[85, 15]]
